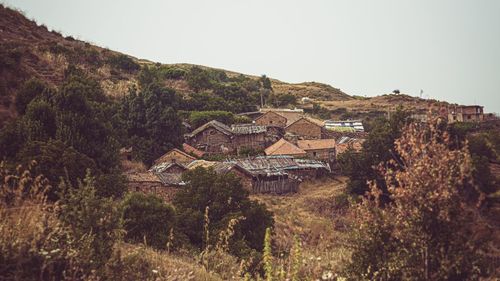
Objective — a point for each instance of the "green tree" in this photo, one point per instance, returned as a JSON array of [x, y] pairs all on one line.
[[226, 199], [266, 82], [90, 216], [29, 91], [378, 148], [147, 219]]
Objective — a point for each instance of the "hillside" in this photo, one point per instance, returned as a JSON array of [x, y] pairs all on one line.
[[31, 50]]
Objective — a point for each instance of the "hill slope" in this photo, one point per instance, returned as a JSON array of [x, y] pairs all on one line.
[[31, 50]]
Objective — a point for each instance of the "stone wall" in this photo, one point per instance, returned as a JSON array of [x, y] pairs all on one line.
[[305, 129], [212, 141], [271, 119], [156, 188]]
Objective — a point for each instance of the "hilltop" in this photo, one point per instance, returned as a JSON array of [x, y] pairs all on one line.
[[28, 49]]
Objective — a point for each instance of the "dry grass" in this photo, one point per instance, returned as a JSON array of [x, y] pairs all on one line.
[[313, 217], [144, 263]]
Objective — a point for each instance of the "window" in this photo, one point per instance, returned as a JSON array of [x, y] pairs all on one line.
[[315, 154], [270, 121]]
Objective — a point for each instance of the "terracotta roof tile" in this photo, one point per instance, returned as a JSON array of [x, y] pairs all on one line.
[[316, 144], [283, 147]]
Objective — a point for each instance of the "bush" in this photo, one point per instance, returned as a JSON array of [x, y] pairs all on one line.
[[124, 63], [147, 219], [427, 230], [198, 118], [29, 91], [225, 199]]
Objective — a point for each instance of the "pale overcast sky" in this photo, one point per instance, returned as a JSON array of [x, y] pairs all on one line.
[[448, 48]]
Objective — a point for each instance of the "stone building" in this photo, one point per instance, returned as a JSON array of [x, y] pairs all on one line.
[[291, 115], [323, 149], [305, 128], [175, 156], [149, 183], [271, 118], [284, 147], [213, 137], [345, 143], [469, 113], [248, 136]]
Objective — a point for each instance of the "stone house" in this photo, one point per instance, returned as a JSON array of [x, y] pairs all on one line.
[[216, 138], [284, 147], [175, 156], [469, 113], [213, 137], [149, 183], [323, 149], [272, 119], [249, 136], [305, 128], [170, 174]]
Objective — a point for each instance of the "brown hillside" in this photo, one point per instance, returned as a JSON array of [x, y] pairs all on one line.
[[31, 50]]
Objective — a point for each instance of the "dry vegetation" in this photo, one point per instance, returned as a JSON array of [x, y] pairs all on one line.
[[316, 215]]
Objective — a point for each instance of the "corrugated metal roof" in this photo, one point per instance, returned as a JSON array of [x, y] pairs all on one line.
[[247, 129]]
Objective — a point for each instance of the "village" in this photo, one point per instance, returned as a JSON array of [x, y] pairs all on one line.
[[278, 151]]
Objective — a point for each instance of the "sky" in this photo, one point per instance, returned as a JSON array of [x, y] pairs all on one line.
[[450, 49]]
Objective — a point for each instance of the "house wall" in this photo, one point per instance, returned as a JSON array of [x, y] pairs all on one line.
[[305, 129], [271, 119], [321, 154], [275, 185], [273, 134], [174, 156], [212, 141], [255, 141], [246, 181], [156, 188]]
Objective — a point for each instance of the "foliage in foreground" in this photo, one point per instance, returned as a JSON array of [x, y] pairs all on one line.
[[428, 230]]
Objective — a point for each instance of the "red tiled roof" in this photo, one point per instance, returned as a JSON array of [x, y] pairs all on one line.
[[283, 147], [191, 150], [316, 144]]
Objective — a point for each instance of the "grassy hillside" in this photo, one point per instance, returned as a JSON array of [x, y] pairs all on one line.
[[30, 50]]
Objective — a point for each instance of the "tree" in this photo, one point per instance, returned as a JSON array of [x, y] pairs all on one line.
[[426, 231], [29, 91], [378, 148], [92, 218], [147, 219], [266, 83], [198, 79], [226, 199]]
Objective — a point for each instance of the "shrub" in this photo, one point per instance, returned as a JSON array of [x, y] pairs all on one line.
[[124, 63], [198, 118], [29, 91], [147, 219], [426, 231], [226, 199]]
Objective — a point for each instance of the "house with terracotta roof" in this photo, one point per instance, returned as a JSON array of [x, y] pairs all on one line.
[[175, 156], [305, 128], [284, 147], [323, 149], [291, 115]]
